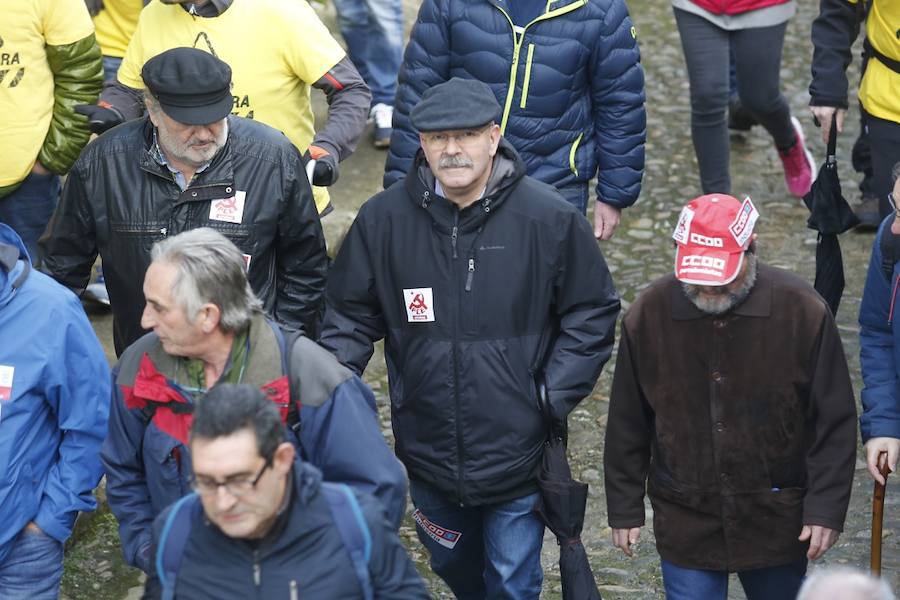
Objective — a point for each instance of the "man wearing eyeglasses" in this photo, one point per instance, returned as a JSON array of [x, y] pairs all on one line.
[[208, 328], [269, 529], [478, 278]]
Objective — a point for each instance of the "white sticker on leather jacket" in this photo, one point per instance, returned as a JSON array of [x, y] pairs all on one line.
[[246, 258], [6, 382], [230, 210], [419, 305]]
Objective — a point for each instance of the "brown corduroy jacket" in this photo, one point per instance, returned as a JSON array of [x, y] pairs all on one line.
[[742, 426]]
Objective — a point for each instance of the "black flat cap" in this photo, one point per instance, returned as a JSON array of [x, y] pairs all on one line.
[[193, 87], [455, 104]]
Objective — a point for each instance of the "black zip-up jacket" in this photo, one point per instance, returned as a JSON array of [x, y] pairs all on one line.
[[118, 201], [833, 33], [516, 285]]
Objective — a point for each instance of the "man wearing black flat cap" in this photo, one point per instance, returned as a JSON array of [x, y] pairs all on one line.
[[479, 278], [190, 164]]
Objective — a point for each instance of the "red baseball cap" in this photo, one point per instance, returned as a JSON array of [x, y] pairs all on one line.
[[712, 234]]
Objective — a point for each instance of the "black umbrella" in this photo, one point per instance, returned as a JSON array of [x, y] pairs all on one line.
[[830, 215], [560, 506]]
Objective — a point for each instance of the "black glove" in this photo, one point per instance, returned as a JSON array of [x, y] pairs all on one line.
[[326, 171], [100, 117]]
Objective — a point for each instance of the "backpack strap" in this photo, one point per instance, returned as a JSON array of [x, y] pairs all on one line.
[[172, 541], [287, 339], [887, 61], [890, 252], [354, 531]]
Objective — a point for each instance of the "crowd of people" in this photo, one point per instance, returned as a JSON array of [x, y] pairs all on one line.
[[242, 451]]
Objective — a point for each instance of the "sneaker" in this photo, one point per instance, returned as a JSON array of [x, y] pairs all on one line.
[[739, 118], [867, 213], [382, 114], [96, 290], [799, 167]]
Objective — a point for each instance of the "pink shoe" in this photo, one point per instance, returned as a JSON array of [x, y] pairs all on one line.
[[799, 167]]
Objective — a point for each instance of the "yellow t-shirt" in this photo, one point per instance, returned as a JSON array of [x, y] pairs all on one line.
[[276, 50], [115, 25], [26, 82], [879, 90]]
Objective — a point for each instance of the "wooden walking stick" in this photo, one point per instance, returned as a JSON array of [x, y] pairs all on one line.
[[878, 516]]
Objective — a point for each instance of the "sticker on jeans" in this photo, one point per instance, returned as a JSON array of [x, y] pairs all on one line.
[[230, 210], [443, 536], [419, 305], [6, 382]]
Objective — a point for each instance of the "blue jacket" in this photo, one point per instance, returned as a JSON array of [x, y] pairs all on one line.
[[303, 551], [570, 86], [147, 461], [53, 415], [879, 348]]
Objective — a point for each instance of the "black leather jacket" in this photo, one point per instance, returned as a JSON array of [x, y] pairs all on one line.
[[118, 201]]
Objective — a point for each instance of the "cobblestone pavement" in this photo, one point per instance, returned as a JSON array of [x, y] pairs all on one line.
[[640, 251]]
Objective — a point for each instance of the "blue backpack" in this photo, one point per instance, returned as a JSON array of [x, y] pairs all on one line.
[[345, 512]]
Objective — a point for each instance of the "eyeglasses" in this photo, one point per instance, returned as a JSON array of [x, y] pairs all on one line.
[[238, 485], [440, 139]]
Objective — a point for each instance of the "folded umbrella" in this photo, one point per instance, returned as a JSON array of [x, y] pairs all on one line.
[[830, 215], [561, 506]]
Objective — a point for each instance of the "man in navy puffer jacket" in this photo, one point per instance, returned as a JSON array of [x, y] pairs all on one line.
[[568, 79]]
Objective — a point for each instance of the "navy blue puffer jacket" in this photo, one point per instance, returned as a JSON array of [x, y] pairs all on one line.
[[570, 84]]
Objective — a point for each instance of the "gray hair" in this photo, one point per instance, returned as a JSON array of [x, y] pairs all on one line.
[[895, 173], [210, 269], [844, 584], [151, 102]]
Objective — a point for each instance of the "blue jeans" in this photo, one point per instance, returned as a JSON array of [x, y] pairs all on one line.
[[771, 583], [29, 208], [373, 30], [33, 568], [491, 551], [576, 194], [111, 67]]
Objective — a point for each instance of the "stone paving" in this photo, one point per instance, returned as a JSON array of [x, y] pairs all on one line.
[[640, 251]]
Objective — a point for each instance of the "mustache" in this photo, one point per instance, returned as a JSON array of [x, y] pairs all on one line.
[[454, 162]]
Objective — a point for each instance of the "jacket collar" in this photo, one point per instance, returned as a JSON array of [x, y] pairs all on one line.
[[757, 304], [506, 171], [554, 8], [15, 265], [211, 9], [220, 167]]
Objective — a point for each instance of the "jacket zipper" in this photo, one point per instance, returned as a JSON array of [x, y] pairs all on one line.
[[294, 589], [572, 151], [471, 274], [459, 441], [518, 37], [454, 235], [527, 81], [257, 569]]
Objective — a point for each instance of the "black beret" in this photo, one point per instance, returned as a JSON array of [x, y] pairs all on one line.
[[455, 104], [193, 87]]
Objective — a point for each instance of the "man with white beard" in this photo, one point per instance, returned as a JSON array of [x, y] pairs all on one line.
[[190, 164], [732, 406]]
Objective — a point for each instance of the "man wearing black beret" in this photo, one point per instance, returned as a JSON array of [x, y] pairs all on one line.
[[190, 164], [480, 279]]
